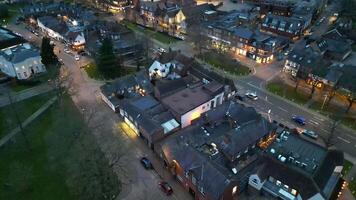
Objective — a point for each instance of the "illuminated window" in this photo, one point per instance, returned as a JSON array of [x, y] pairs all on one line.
[[294, 192], [234, 190], [278, 183]]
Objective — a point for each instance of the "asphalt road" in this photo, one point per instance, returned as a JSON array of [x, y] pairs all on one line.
[[282, 111], [138, 183]]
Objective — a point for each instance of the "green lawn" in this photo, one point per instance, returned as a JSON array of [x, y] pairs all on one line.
[[63, 161], [352, 187], [161, 37], [94, 73], [347, 167], [24, 109], [225, 63], [17, 87], [287, 92]]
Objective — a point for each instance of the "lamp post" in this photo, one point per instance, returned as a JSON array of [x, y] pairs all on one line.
[[325, 97]]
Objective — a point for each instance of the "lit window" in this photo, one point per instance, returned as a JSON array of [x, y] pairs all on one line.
[[234, 190], [278, 183], [294, 192]]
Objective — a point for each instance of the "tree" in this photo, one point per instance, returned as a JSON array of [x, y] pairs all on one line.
[[107, 62], [4, 12], [301, 75], [197, 38], [348, 86], [47, 54]]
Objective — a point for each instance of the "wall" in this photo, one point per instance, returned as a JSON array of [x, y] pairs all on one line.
[[25, 68], [196, 112]]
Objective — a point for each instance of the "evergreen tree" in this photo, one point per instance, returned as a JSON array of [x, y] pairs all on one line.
[[47, 54], [107, 62], [4, 12]]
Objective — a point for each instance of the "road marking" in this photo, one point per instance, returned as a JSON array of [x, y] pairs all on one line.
[[283, 109], [324, 130], [351, 136], [314, 122], [340, 138]]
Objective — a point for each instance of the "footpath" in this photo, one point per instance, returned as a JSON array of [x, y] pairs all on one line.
[[24, 94]]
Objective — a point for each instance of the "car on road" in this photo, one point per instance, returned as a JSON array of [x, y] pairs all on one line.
[[165, 187], [239, 97], [161, 50], [66, 50], [77, 57], [146, 163], [299, 120], [252, 95], [310, 134]]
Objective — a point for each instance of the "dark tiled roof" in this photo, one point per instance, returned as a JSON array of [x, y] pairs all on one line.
[[9, 39]]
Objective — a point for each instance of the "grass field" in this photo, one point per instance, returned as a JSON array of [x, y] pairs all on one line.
[[62, 162], [93, 72], [161, 37], [24, 109], [287, 92], [223, 62]]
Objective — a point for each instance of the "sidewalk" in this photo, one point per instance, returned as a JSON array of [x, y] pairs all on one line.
[[44, 107], [24, 94]]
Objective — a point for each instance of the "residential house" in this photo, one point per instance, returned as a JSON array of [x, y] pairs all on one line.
[[159, 15], [22, 61], [226, 35], [333, 45], [293, 167], [291, 27], [214, 157], [125, 43], [17, 57], [67, 31], [130, 86]]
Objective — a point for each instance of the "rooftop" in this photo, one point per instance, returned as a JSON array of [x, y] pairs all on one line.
[[297, 153], [9, 39], [189, 98], [19, 53]]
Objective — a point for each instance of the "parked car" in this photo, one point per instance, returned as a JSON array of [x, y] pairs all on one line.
[[310, 134], [299, 120], [66, 50], [165, 187], [161, 50], [146, 163], [252, 95], [76, 57], [240, 97]]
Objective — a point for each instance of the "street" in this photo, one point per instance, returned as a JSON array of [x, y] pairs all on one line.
[[138, 183]]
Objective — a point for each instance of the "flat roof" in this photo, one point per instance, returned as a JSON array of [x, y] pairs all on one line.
[[187, 99], [297, 152]]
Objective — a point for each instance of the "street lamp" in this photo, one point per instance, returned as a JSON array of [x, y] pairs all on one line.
[[325, 97]]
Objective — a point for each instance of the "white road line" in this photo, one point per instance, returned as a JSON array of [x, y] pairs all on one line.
[[283, 109], [340, 138], [314, 122], [351, 136]]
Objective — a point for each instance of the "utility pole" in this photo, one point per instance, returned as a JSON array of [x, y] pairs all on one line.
[[18, 120]]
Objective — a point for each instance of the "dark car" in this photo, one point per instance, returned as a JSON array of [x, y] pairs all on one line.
[[310, 134], [146, 163], [299, 120], [240, 97], [165, 187]]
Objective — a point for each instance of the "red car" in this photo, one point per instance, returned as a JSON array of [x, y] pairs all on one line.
[[165, 187]]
